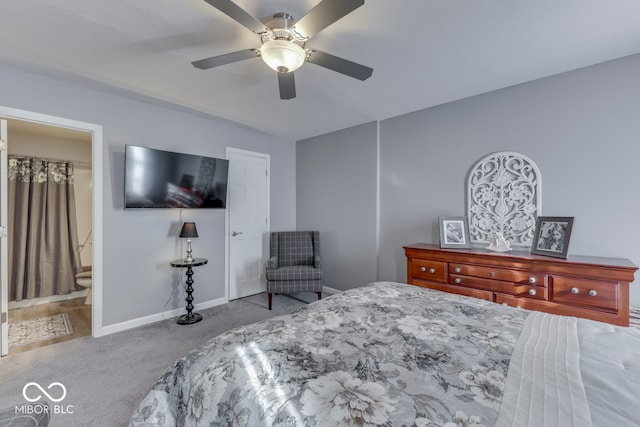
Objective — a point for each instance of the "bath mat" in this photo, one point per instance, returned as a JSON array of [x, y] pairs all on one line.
[[40, 329]]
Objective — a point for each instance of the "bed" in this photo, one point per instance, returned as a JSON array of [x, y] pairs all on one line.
[[392, 354]]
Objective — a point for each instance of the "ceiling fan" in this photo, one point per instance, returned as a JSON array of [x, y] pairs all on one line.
[[283, 42]]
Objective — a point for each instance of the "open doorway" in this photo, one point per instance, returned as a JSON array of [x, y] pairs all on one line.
[[50, 197], [85, 153]]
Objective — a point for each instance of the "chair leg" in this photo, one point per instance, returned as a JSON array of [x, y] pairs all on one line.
[[270, 300], [319, 295]]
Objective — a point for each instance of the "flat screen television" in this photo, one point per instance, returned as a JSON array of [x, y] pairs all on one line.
[[164, 179]]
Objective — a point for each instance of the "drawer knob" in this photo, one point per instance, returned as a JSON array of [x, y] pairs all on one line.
[[457, 269], [575, 290], [592, 293], [457, 280], [532, 280], [532, 292], [423, 269], [432, 270], [492, 274]]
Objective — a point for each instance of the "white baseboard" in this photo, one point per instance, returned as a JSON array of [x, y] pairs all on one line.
[[141, 321], [330, 290]]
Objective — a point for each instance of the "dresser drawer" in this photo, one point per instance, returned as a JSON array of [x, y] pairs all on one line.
[[428, 270], [480, 283], [513, 301], [540, 293], [518, 290], [469, 292], [515, 276], [577, 291]]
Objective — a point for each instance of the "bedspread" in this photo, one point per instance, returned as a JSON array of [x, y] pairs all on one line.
[[385, 354]]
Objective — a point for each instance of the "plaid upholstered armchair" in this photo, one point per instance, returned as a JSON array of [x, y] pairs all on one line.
[[294, 263]]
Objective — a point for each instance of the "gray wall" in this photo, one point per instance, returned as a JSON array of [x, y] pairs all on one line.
[[139, 244], [336, 194], [581, 128]]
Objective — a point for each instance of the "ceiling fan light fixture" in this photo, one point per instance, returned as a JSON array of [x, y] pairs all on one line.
[[282, 56]]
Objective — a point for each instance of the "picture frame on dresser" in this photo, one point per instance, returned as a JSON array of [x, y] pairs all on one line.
[[454, 232], [552, 236]]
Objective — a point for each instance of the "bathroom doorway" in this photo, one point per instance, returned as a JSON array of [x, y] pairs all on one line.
[[78, 311], [50, 289]]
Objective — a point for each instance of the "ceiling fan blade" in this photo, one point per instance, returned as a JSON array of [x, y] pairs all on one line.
[[287, 84], [321, 16], [227, 58], [240, 15], [340, 65]]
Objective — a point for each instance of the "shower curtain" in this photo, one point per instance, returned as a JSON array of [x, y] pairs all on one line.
[[43, 239]]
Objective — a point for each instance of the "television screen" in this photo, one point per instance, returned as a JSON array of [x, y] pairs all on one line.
[[164, 179]]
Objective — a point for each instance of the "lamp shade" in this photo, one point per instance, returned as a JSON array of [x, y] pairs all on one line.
[[282, 56], [189, 230]]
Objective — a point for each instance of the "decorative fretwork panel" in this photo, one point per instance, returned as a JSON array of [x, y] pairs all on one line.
[[504, 194]]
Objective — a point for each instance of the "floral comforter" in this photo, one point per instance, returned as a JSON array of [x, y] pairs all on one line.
[[386, 354]]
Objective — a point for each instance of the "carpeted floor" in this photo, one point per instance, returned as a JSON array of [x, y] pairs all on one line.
[[106, 377]]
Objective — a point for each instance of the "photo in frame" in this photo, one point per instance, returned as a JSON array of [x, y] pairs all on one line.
[[552, 236], [454, 232]]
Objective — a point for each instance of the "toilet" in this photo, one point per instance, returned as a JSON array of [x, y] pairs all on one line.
[[85, 279]]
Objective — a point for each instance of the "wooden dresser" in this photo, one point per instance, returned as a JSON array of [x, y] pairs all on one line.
[[590, 287]]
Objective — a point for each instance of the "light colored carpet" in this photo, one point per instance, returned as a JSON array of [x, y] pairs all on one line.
[[106, 377], [39, 329]]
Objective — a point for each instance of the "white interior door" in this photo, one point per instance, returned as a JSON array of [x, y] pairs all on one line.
[[248, 224], [4, 254]]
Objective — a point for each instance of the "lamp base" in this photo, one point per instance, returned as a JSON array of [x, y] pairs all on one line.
[[189, 258], [189, 319]]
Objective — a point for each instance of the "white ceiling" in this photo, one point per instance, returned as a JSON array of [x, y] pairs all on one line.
[[423, 52]]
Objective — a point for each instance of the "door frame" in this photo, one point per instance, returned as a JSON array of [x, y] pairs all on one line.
[[4, 246], [227, 241], [97, 149]]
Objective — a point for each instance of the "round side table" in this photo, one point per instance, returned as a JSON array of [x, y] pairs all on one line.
[[191, 317]]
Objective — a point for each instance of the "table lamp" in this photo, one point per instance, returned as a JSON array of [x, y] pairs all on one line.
[[188, 230]]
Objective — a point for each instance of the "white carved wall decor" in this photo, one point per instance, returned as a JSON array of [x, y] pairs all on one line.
[[504, 194]]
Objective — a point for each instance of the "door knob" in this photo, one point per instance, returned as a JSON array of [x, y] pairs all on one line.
[[235, 233]]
